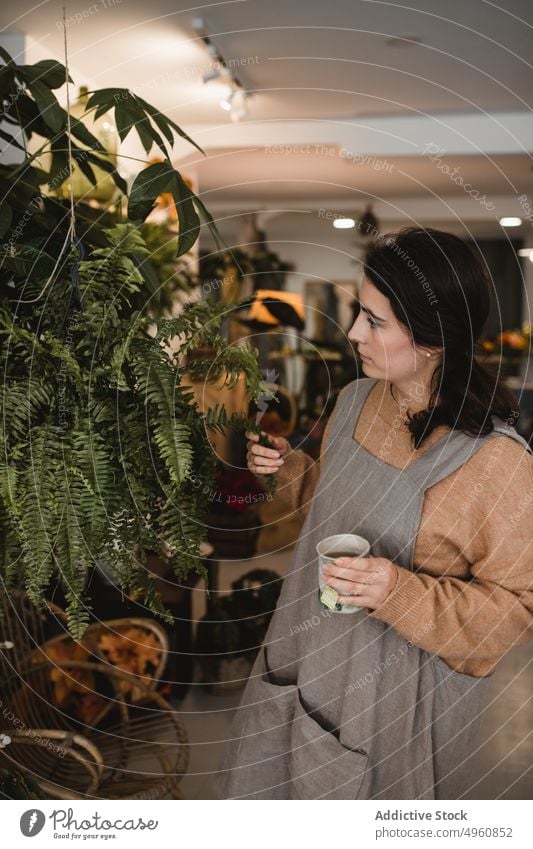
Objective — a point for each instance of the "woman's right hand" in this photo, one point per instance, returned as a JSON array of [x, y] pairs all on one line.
[[262, 460]]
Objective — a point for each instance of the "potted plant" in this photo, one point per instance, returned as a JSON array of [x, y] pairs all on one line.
[[99, 432]]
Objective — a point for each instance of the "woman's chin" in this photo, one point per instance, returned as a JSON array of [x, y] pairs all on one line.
[[370, 366]]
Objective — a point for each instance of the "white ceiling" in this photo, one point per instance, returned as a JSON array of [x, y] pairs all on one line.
[[306, 58]]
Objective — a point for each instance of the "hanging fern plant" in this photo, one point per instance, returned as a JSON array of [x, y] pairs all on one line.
[[100, 434]]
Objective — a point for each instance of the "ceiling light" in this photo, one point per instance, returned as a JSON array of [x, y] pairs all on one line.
[[226, 101], [239, 109], [198, 25], [510, 221], [527, 253], [235, 101], [343, 223]]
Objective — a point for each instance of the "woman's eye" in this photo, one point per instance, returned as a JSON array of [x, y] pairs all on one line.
[[372, 324]]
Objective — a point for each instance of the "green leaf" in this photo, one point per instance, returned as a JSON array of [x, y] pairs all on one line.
[[157, 118], [47, 71], [82, 134], [38, 176], [27, 262], [148, 136], [8, 59], [132, 111], [189, 222], [10, 140], [80, 158], [208, 218], [165, 124], [52, 113], [110, 169], [126, 116], [107, 98], [129, 114], [146, 131], [153, 181], [8, 88], [59, 169], [25, 113], [148, 184]]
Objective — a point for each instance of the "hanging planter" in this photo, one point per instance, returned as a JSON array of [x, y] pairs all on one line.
[[100, 433]]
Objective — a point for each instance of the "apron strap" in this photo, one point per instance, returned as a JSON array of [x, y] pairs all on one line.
[[457, 448], [348, 408]]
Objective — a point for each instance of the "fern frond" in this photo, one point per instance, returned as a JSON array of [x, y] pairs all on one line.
[[37, 521], [156, 382], [110, 479]]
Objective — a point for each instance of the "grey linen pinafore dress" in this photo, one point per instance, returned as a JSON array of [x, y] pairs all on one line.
[[341, 706]]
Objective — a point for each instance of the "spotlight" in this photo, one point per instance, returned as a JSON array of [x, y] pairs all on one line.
[[343, 223], [226, 101], [198, 25], [235, 101], [239, 109], [510, 221]]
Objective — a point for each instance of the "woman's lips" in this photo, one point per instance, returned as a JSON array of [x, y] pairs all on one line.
[[363, 356]]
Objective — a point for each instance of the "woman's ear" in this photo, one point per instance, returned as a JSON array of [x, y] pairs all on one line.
[[432, 352]]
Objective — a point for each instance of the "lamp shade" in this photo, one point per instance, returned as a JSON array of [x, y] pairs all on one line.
[[274, 308]]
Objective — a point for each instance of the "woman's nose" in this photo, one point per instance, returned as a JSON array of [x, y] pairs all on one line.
[[355, 333]]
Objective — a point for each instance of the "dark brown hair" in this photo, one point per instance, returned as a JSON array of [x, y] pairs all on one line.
[[438, 289]]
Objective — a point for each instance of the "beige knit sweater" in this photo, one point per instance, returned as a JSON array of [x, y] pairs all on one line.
[[473, 552]]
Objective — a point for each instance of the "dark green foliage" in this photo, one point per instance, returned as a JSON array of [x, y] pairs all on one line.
[[99, 434], [33, 226], [167, 277], [161, 178]]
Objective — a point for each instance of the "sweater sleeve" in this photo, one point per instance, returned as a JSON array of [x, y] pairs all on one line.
[[471, 624], [298, 476]]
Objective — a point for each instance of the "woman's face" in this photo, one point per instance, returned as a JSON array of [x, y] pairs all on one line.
[[385, 345]]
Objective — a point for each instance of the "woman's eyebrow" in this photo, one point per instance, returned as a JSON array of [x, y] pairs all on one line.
[[371, 313]]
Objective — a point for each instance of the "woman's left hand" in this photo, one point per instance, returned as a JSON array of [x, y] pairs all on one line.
[[361, 581]]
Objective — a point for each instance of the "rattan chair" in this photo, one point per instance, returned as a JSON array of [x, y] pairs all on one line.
[[129, 749]]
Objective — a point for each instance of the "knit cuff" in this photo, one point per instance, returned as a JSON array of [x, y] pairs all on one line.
[[399, 608], [289, 476]]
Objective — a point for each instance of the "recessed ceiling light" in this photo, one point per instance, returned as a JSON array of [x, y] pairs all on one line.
[[403, 40], [510, 221], [226, 103], [526, 252], [343, 223], [239, 108]]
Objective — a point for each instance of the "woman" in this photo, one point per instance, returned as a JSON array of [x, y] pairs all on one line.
[[421, 459]]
